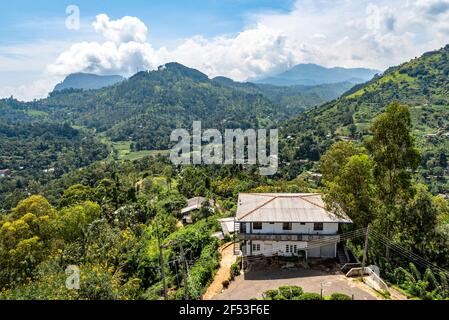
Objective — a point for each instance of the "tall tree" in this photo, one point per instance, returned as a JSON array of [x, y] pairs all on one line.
[[392, 148]]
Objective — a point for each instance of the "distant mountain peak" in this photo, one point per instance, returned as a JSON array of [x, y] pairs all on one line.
[[87, 81], [313, 74]]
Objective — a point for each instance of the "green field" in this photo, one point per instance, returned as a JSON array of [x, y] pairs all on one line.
[[36, 113], [124, 152]]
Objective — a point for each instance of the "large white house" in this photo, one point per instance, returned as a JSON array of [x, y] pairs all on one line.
[[287, 225]]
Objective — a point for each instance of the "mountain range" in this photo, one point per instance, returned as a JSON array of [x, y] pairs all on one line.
[[313, 74], [87, 81], [145, 108]]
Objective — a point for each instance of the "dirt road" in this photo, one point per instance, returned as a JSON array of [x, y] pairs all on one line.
[[227, 259]]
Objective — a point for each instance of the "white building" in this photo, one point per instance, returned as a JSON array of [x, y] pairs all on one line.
[[287, 225]]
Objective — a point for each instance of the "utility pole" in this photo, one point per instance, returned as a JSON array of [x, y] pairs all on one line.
[[161, 260], [365, 254], [185, 271]]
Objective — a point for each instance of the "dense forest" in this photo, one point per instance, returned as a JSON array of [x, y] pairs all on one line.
[[68, 199]]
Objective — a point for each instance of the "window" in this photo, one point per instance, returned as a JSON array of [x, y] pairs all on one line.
[[257, 225], [291, 248], [318, 226], [287, 226], [256, 247]]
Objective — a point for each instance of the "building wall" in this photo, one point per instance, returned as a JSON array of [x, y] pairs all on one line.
[[297, 228], [270, 248]]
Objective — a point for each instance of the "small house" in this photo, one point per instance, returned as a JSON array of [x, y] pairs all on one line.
[[193, 205]]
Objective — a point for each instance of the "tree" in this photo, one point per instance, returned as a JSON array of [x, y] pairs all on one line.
[[37, 205], [336, 158], [76, 194], [419, 222], [392, 148], [352, 191]]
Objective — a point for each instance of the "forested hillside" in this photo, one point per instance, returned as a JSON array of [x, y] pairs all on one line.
[[67, 200], [291, 99], [422, 83], [148, 106]]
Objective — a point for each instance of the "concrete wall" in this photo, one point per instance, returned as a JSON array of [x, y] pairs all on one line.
[[297, 228]]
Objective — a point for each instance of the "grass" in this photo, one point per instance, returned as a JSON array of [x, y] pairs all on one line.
[[124, 152], [36, 113]]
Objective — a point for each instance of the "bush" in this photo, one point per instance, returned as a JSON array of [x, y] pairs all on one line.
[[271, 294], [309, 296], [340, 296], [289, 292], [235, 268]]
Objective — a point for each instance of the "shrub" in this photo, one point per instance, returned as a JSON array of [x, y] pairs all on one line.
[[279, 297], [289, 292], [271, 294], [235, 268], [309, 296], [340, 296]]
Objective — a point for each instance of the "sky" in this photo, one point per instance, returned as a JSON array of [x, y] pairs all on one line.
[[43, 41]]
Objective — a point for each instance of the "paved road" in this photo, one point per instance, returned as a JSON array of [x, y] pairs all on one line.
[[254, 283]]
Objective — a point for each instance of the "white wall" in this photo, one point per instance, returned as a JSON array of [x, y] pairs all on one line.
[[297, 228], [270, 248]]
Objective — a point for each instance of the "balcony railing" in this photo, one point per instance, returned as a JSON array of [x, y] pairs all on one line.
[[289, 237]]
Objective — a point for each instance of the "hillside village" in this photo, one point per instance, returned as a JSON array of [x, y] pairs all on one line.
[[357, 210]]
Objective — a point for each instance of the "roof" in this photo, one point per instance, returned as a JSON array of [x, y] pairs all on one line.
[[195, 204], [227, 225], [285, 207]]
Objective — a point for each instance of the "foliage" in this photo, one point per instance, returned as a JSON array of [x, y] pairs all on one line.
[[340, 296], [309, 296]]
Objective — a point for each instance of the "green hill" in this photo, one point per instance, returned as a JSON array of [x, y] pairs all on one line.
[[291, 99], [147, 107], [422, 83]]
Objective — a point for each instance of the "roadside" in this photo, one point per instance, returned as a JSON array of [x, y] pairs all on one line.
[[227, 259]]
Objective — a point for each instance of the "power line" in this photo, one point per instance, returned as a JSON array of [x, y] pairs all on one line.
[[407, 254]]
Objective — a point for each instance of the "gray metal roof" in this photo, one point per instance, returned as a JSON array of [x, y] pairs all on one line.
[[195, 204], [285, 207]]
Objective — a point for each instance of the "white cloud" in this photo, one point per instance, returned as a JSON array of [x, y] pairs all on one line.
[[126, 29], [252, 52], [27, 92]]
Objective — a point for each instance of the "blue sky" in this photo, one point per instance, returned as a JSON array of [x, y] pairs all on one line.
[[241, 39], [25, 20]]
